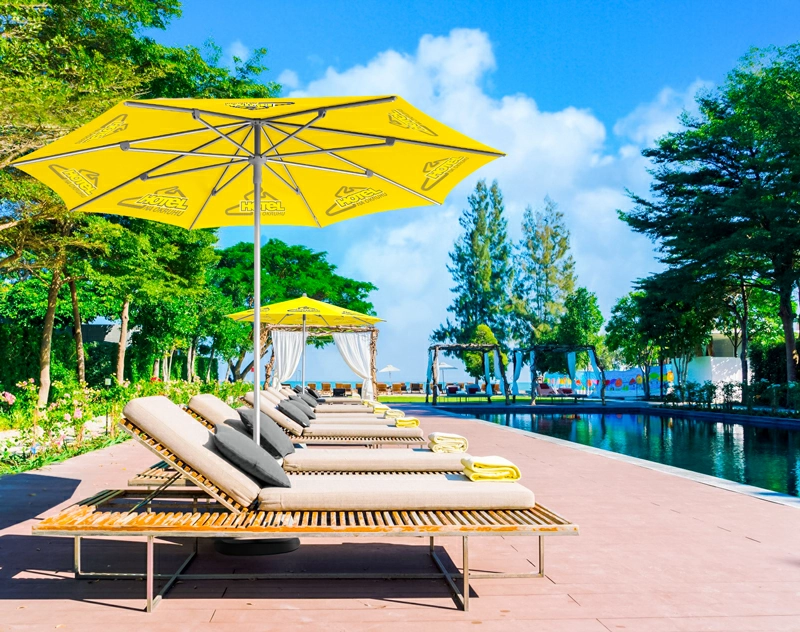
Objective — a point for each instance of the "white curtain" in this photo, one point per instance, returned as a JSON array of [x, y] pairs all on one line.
[[498, 373], [354, 347], [571, 367], [518, 362], [287, 347], [595, 372], [429, 373]]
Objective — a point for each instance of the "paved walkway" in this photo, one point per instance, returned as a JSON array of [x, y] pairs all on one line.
[[656, 553]]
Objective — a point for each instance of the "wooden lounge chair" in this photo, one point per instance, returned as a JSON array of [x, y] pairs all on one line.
[[383, 388], [312, 386], [326, 389], [416, 387], [210, 510], [398, 388]]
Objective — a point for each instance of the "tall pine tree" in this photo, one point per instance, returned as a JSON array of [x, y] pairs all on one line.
[[544, 275], [481, 268]]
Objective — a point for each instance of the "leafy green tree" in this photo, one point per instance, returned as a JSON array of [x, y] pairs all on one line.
[[581, 323], [628, 335], [64, 62], [286, 272], [473, 360], [544, 276], [724, 191], [480, 267]]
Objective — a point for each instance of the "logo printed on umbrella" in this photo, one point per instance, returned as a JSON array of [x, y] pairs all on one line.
[[348, 198], [82, 181], [304, 309], [401, 119], [258, 105], [169, 201], [437, 170], [117, 124], [269, 205]]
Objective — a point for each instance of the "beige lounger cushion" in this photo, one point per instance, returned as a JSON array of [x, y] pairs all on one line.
[[351, 420], [362, 430], [349, 401], [384, 492], [326, 409], [347, 460], [277, 416], [212, 408], [270, 397], [192, 443]]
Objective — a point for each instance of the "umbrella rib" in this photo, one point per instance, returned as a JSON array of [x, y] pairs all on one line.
[[296, 187], [365, 174], [146, 139], [138, 177], [193, 169], [377, 175], [275, 146], [334, 106], [197, 117], [175, 108], [176, 152], [294, 182], [396, 139], [222, 175], [216, 191], [312, 152]]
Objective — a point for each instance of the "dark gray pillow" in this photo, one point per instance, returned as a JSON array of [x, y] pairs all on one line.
[[313, 393], [250, 458], [273, 439], [294, 413], [308, 400], [297, 389], [240, 426], [309, 412]]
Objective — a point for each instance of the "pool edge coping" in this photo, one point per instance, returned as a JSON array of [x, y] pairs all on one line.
[[752, 491]]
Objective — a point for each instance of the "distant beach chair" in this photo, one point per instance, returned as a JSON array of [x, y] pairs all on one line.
[[495, 389], [545, 390], [398, 388], [326, 389], [312, 385], [416, 387]]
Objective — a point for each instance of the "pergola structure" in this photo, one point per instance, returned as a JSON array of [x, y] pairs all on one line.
[[321, 331], [433, 384], [561, 348]]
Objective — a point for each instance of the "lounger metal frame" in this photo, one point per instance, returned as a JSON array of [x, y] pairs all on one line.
[[190, 513], [206, 511]]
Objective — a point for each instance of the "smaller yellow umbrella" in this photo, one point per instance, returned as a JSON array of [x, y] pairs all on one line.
[[307, 312]]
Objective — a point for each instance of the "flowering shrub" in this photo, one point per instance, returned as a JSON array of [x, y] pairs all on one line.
[[62, 424]]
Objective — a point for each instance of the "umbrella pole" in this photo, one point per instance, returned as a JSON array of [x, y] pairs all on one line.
[[304, 352], [257, 166]]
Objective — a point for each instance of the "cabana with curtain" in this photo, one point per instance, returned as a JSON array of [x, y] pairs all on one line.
[[520, 357], [432, 379]]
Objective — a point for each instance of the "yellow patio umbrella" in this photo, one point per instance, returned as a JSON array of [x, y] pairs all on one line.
[[307, 312], [308, 162]]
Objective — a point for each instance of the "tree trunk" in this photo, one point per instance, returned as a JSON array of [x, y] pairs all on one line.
[[208, 368], [123, 339], [46, 348], [646, 381], [76, 321], [745, 324], [787, 320], [156, 367]]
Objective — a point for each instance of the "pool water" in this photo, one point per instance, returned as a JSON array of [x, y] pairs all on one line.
[[763, 457]]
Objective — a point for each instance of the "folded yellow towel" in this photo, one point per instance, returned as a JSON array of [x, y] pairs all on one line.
[[406, 422], [393, 414], [447, 443], [490, 468]]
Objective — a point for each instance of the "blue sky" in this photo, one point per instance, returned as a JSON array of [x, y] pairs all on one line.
[[571, 90]]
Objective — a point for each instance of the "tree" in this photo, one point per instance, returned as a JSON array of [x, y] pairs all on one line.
[[64, 62], [480, 267], [627, 334], [473, 360], [725, 192], [286, 272], [545, 273], [581, 322]]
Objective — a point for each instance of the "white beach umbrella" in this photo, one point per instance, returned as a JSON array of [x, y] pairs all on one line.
[[389, 368]]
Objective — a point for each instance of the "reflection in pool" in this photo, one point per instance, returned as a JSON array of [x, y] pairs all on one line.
[[764, 457]]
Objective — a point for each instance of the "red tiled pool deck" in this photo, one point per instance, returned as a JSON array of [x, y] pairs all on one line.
[[656, 553]]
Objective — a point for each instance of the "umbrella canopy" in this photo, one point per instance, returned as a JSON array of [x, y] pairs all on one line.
[[307, 162], [389, 368], [312, 313]]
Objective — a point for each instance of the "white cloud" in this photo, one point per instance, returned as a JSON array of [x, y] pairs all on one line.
[[235, 49], [563, 154], [289, 79]]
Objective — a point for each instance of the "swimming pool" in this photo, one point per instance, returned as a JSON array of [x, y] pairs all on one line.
[[764, 457]]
